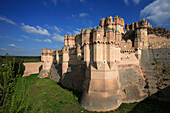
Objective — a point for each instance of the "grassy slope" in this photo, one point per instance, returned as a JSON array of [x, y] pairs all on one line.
[[45, 95]]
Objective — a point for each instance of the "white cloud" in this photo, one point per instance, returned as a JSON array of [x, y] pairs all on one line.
[[58, 38], [47, 40], [134, 1], [83, 14], [3, 49], [158, 12], [37, 40], [7, 20], [35, 30], [13, 45]]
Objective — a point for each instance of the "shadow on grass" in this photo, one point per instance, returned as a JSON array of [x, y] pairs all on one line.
[[75, 92]]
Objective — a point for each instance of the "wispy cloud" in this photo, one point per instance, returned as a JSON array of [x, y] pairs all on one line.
[[54, 2], [12, 45], [37, 40], [16, 47], [126, 2], [26, 37], [35, 30], [47, 40], [77, 31], [82, 1], [83, 14], [4, 37], [3, 49], [19, 40], [73, 15], [68, 32], [56, 47], [158, 12], [58, 38], [7, 20], [134, 1], [59, 30]]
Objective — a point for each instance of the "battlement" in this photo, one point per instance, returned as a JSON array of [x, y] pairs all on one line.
[[141, 24], [109, 21], [46, 52]]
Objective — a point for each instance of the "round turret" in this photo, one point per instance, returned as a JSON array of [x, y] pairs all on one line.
[[48, 51], [82, 30], [43, 50], [65, 36], [87, 31], [52, 50], [115, 16]]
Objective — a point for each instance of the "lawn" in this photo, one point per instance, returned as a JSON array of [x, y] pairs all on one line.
[[44, 95]]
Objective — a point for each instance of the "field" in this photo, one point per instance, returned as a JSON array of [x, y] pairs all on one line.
[[21, 59]]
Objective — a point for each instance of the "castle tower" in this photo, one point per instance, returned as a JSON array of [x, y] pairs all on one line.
[[65, 60], [142, 33], [57, 57], [102, 91], [133, 26], [78, 53], [48, 59], [87, 47], [65, 40], [43, 55], [127, 27], [102, 22], [97, 47], [118, 37]]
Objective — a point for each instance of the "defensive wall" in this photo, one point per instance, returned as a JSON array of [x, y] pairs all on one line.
[[110, 65]]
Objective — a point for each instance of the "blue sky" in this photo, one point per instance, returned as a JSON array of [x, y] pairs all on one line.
[[26, 26]]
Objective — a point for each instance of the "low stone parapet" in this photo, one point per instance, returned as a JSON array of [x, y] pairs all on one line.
[[32, 68]]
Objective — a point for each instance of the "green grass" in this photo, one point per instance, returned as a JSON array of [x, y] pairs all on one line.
[[46, 96]]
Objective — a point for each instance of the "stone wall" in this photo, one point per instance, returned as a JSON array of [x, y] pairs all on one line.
[[32, 68], [74, 77], [132, 83], [155, 64]]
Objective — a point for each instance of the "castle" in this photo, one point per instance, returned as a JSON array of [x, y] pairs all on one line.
[[104, 63]]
